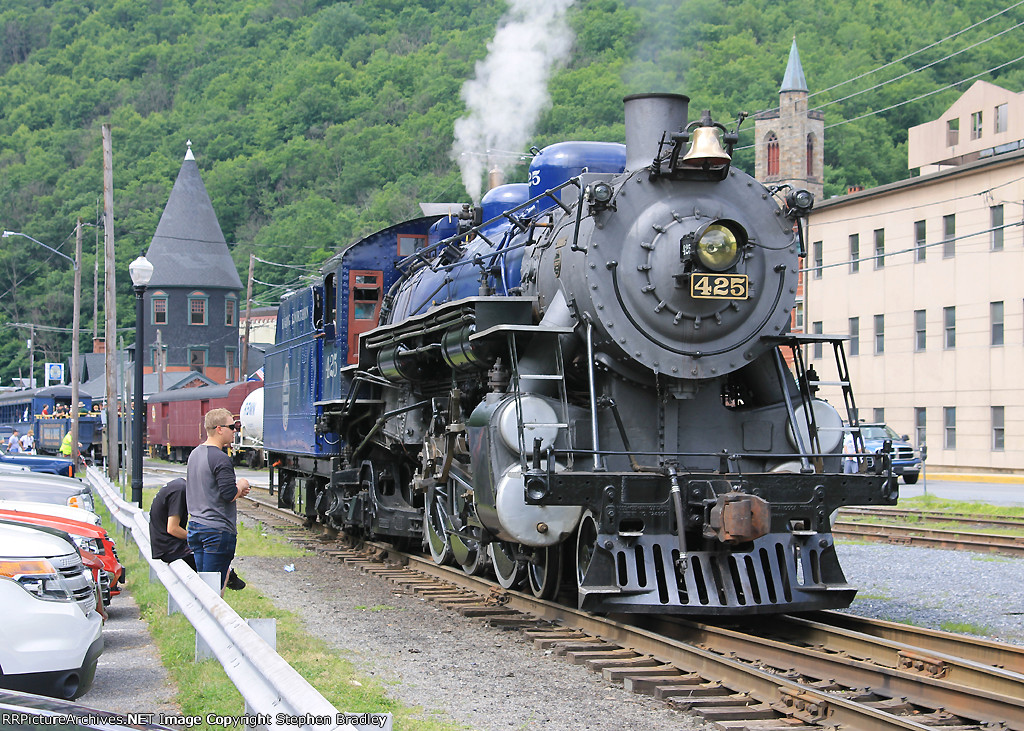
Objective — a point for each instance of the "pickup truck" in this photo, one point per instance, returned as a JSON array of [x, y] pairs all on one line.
[[39, 463], [905, 461]]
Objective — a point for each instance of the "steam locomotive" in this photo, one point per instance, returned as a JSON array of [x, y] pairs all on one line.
[[585, 386]]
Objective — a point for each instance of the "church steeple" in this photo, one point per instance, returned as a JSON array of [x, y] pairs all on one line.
[[789, 139], [794, 79]]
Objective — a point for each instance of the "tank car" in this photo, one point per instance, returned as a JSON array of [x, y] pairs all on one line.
[[588, 385]]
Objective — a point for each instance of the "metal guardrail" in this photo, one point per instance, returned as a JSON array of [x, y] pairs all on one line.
[[276, 696]]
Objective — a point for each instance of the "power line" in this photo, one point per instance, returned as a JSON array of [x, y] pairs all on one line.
[[917, 70], [920, 50], [925, 95]]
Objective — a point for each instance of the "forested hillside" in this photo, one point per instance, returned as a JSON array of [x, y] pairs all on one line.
[[315, 121]]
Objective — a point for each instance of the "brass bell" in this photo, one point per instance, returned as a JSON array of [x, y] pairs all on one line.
[[706, 149]]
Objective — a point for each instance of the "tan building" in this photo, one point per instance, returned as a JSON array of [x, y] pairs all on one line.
[[926, 276]]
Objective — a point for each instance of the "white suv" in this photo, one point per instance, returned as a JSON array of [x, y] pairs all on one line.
[[51, 635]]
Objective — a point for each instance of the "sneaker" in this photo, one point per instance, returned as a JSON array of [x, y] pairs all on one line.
[[234, 582]]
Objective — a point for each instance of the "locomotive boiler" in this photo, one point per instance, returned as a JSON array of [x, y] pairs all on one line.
[[588, 385]]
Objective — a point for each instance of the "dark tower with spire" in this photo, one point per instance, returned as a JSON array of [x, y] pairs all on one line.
[[192, 299], [790, 139]]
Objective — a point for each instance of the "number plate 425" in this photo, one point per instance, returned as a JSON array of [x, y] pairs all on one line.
[[719, 286]]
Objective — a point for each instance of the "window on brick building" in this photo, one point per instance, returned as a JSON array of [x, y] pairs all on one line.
[[773, 154], [197, 308], [159, 309]]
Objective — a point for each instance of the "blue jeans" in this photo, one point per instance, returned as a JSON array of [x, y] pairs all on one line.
[[213, 549]]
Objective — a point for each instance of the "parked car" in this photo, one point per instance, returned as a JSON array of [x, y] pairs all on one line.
[[88, 537], [33, 487], [61, 511], [905, 461], [39, 463], [51, 636]]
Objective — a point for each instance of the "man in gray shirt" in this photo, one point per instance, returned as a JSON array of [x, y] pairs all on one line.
[[212, 489]]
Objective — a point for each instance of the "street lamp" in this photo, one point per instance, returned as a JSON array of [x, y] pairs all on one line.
[[141, 271], [76, 263]]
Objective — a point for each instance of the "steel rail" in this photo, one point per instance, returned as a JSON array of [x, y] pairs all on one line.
[[896, 653], [997, 654], [853, 672], [933, 516], [931, 537]]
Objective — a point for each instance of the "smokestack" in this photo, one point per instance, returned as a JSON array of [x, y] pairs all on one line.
[[648, 117]]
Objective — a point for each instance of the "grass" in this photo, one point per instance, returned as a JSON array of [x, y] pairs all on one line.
[[204, 687], [931, 502], [965, 628]]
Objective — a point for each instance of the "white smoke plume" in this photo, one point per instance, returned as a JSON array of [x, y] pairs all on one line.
[[510, 89]]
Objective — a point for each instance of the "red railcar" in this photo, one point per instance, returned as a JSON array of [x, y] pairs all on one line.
[[175, 418]]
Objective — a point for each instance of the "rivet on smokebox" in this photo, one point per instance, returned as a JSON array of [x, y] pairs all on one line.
[[542, 527]]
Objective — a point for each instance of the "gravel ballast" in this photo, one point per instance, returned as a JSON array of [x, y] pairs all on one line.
[[960, 591], [451, 666]]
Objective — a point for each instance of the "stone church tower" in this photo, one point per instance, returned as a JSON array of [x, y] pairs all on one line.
[[192, 299], [790, 140]]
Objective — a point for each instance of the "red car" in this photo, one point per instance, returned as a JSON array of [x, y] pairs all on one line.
[[87, 537]]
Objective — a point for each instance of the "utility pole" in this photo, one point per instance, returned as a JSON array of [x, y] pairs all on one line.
[[96, 289], [75, 324], [248, 319], [31, 356], [110, 305]]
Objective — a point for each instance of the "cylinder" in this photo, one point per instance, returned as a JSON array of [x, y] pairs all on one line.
[[648, 118]]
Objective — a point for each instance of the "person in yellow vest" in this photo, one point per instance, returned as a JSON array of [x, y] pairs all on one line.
[[65, 445]]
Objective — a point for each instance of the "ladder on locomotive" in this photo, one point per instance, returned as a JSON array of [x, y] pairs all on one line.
[[808, 385], [558, 377]]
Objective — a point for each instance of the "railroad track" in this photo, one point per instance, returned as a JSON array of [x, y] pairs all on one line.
[[917, 533], [824, 670], [935, 516]]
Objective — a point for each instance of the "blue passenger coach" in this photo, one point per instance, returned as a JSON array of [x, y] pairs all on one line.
[[46, 413]]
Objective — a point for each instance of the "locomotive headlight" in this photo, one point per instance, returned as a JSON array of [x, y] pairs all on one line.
[[719, 245]]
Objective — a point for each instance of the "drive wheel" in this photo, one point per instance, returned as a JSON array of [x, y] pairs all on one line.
[[507, 567], [436, 523], [544, 571], [468, 552]]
